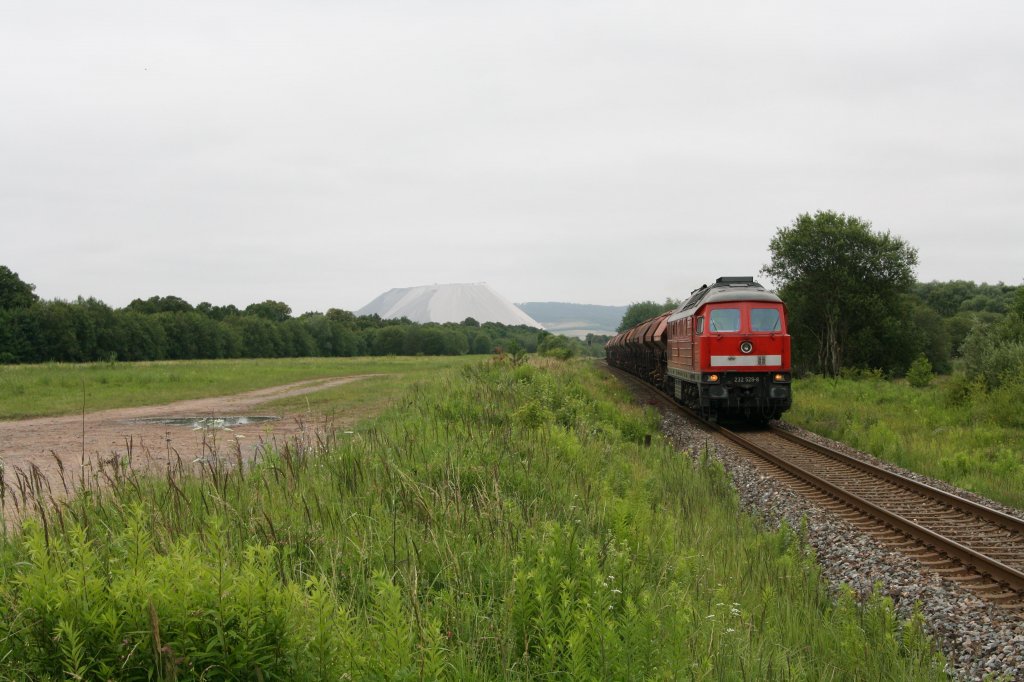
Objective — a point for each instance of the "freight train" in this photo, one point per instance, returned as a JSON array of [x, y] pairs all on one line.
[[724, 353]]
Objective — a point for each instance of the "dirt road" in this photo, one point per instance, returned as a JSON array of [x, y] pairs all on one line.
[[111, 432]]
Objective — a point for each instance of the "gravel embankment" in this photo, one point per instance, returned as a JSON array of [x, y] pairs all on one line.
[[979, 640]]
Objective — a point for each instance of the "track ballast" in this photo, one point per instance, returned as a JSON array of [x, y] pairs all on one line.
[[978, 546]]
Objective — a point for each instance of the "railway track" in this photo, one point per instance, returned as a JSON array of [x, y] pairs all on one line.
[[979, 547]]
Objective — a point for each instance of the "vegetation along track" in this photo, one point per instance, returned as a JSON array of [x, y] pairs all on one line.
[[980, 547]]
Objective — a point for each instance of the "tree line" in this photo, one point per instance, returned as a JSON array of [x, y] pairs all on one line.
[[854, 304], [170, 328]]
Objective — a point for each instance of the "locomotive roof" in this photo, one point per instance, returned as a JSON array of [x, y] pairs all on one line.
[[724, 290]]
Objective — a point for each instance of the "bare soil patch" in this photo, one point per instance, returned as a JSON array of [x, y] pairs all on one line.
[[113, 433]]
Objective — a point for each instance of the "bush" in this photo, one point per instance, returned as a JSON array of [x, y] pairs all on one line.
[[555, 346], [992, 354], [861, 374], [960, 390], [920, 373]]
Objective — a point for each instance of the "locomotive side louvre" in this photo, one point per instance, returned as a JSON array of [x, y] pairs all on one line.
[[725, 352]]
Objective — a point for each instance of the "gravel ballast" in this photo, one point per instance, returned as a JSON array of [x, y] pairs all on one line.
[[980, 640]]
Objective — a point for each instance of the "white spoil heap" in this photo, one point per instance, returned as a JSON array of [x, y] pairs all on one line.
[[447, 303]]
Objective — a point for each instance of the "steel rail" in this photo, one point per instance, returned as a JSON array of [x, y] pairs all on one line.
[[1007, 521], [986, 566]]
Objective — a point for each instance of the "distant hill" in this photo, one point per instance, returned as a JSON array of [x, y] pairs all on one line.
[[575, 319]]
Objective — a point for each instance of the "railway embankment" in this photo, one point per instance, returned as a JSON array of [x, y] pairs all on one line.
[[980, 638]]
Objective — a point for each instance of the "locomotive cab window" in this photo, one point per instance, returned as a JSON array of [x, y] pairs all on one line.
[[725, 320], [700, 325], [765, 320]]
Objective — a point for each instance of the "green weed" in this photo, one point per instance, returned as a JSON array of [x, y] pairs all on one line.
[[495, 523], [954, 429]]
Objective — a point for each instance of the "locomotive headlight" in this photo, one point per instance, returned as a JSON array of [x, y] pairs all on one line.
[[746, 347], [713, 378], [780, 377]]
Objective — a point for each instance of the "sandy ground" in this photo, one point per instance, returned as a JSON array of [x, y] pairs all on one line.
[[110, 433]]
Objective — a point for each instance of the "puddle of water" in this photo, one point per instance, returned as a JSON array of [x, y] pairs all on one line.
[[205, 422]]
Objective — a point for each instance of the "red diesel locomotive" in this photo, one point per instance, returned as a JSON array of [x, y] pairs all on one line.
[[724, 352]]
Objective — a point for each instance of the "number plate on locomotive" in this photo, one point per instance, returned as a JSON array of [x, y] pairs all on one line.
[[746, 380]]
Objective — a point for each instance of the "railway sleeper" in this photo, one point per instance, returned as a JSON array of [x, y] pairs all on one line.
[[954, 570]]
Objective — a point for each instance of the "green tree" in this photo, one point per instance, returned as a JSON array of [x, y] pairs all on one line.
[[644, 310], [296, 340], [838, 277], [994, 352], [422, 340], [260, 338], [388, 340], [51, 333], [217, 312], [160, 304], [343, 316], [957, 328], [456, 342], [275, 311], [14, 343], [483, 344], [1017, 305], [556, 346], [15, 293], [931, 336], [141, 337]]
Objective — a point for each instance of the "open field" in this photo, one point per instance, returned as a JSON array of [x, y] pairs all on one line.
[[960, 434], [154, 436], [496, 522], [57, 389]]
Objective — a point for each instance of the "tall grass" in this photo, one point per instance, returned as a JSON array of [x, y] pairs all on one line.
[[501, 522], [952, 430]]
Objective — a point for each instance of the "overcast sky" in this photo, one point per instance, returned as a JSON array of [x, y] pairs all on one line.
[[322, 152]]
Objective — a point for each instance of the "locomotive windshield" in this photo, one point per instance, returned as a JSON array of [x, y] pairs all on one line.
[[725, 320], [765, 320]]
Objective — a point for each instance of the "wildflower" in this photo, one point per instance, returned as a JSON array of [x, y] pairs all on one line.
[[710, 615], [730, 629], [734, 611]]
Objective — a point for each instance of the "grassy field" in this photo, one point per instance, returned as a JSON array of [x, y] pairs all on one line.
[[957, 433], [497, 522], [54, 389]]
